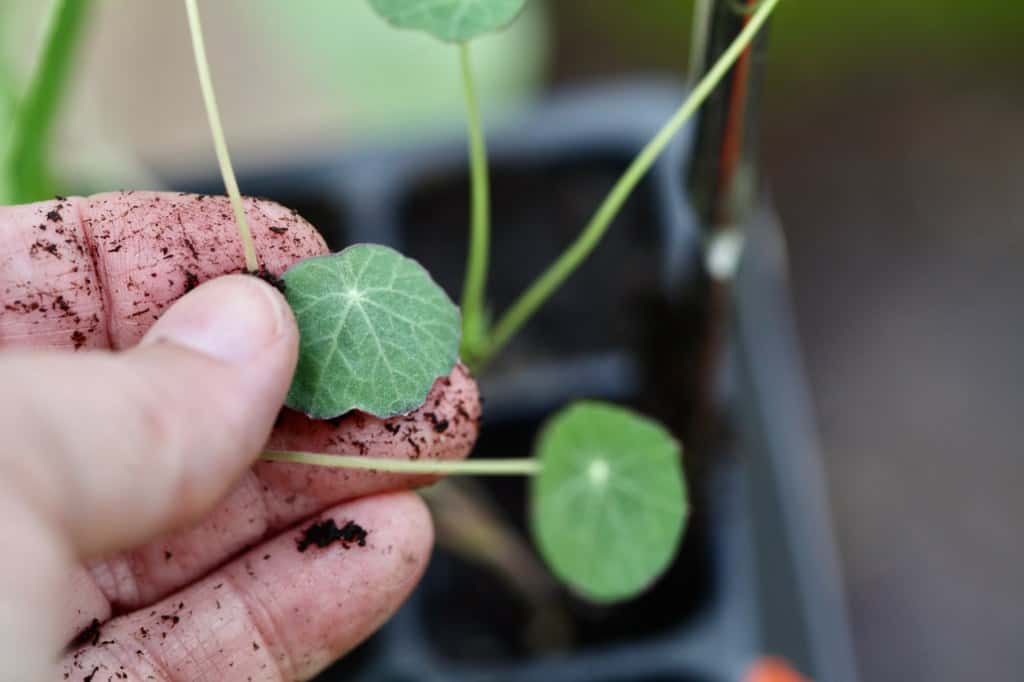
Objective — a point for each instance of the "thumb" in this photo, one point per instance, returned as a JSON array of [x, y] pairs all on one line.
[[116, 447]]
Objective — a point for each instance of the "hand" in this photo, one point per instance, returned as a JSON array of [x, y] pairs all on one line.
[[130, 513]]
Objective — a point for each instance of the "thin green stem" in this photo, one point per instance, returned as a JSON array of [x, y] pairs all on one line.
[[473, 291], [472, 467], [26, 160], [699, 37], [573, 257], [219, 143]]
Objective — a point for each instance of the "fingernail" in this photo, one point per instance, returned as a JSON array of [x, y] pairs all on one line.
[[232, 319]]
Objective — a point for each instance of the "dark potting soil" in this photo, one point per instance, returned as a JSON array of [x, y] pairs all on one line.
[[268, 277], [326, 532], [191, 281], [90, 635]]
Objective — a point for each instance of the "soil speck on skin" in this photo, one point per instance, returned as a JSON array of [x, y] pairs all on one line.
[[278, 229], [78, 338], [54, 216], [90, 635], [88, 678], [326, 532], [43, 245], [268, 277], [191, 281]]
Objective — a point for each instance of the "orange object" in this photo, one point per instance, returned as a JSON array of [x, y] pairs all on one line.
[[773, 670]]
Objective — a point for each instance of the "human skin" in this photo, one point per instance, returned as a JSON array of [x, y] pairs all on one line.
[[134, 399]]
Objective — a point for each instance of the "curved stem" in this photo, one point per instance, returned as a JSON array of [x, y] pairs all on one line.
[[473, 327], [573, 257], [219, 143], [473, 467]]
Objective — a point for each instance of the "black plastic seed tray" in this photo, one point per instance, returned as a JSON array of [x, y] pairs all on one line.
[[757, 573]]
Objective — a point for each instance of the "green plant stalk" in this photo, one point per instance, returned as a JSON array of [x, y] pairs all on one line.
[[27, 142], [473, 291], [699, 37], [573, 257], [217, 131], [473, 467]]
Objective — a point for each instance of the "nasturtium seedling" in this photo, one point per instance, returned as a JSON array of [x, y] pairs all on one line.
[[608, 500], [609, 505], [452, 21], [375, 332]]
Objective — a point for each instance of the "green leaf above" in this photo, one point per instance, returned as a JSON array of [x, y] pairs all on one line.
[[453, 21], [375, 332], [609, 506]]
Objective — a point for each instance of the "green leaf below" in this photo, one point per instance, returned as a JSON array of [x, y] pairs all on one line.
[[609, 506], [453, 21], [375, 332]]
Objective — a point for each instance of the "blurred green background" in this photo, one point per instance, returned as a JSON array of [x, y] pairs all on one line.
[[813, 40], [313, 71], [893, 146]]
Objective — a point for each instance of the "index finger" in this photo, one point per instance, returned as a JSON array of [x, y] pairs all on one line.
[[96, 272]]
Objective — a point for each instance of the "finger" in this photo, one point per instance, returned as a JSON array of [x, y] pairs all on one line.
[[122, 258], [276, 613], [274, 496], [96, 272], [116, 448]]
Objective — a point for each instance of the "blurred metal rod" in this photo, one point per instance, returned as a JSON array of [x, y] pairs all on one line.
[[721, 184], [721, 178]]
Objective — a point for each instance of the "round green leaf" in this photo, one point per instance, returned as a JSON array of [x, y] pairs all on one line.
[[375, 332], [453, 21], [609, 505]]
